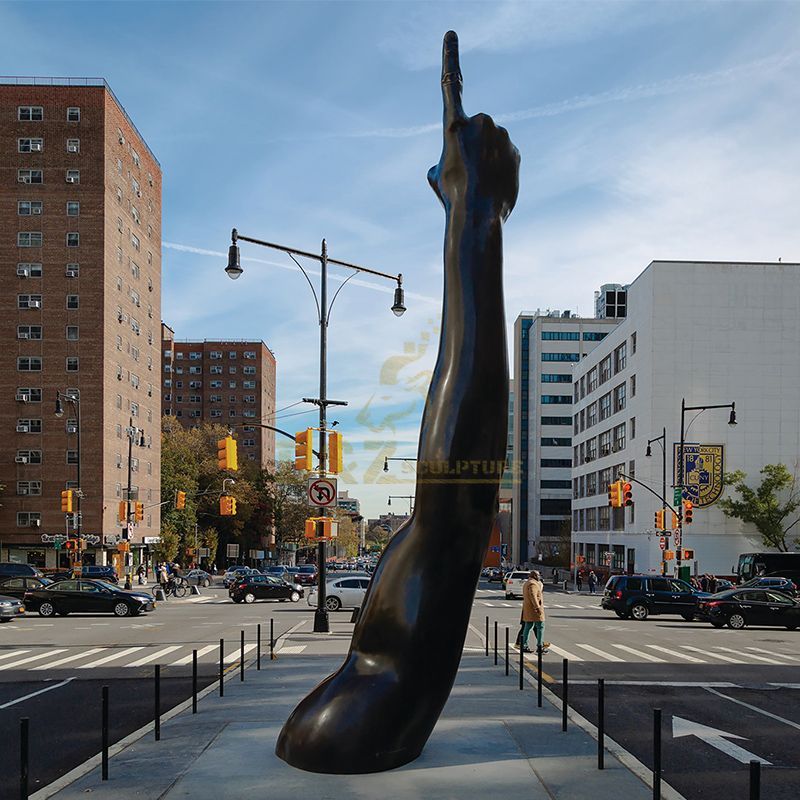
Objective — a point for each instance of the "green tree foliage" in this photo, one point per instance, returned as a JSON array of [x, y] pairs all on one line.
[[769, 506], [167, 547]]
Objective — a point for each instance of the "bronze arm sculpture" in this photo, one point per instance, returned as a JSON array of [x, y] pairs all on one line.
[[378, 710]]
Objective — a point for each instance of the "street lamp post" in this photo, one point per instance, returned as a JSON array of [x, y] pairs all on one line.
[[59, 412], [662, 440], [679, 471], [132, 432], [234, 270], [386, 461]]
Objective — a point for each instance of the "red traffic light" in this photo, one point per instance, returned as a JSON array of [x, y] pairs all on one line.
[[688, 510], [627, 494]]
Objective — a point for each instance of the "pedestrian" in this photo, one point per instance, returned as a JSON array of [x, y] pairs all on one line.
[[579, 581], [163, 576], [592, 582], [533, 612], [704, 583], [141, 572], [712, 584]]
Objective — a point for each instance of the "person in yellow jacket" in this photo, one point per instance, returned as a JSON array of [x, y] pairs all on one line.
[[533, 612]]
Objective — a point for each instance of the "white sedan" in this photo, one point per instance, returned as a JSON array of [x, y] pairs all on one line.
[[341, 593]]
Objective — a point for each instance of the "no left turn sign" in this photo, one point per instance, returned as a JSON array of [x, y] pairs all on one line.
[[321, 492]]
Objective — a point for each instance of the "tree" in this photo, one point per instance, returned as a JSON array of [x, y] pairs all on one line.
[[763, 507], [167, 547]]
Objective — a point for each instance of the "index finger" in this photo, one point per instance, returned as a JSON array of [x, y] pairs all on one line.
[[451, 79]]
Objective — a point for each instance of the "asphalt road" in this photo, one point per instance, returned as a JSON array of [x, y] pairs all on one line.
[[740, 683]]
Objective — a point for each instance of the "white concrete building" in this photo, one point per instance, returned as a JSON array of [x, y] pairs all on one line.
[[546, 348], [712, 333]]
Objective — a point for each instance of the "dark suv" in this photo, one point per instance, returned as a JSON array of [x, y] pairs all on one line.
[[638, 596], [9, 569]]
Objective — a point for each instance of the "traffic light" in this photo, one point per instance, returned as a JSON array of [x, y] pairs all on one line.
[[122, 511], [334, 452], [615, 494], [321, 528], [138, 511], [659, 520], [227, 454], [71, 544], [227, 506], [688, 555], [180, 500], [627, 494], [66, 501], [688, 509], [669, 555], [303, 449]]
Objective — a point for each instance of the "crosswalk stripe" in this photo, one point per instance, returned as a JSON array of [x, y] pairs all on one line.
[[188, 659], [28, 659], [234, 656], [712, 655], [119, 654], [67, 659], [770, 653], [580, 607], [556, 605], [669, 652], [491, 605], [601, 653], [13, 653], [645, 656], [749, 655], [295, 648], [507, 605], [564, 653], [153, 656]]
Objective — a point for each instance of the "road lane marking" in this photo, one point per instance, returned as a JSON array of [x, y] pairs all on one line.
[[229, 659], [100, 661], [14, 653], [33, 694], [507, 605], [28, 659], [188, 659], [716, 738], [712, 655], [153, 656], [771, 653], [669, 652], [601, 653], [754, 708], [646, 656], [294, 648], [491, 605], [564, 653], [67, 659], [749, 655]]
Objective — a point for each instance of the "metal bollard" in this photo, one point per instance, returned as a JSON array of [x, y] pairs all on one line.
[[157, 715], [241, 657], [564, 692], [656, 754], [495, 642], [221, 669], [755, 780], [104, 735], [194, 681], [601, 722], [521, 666], [565, 586], [539, 676], [258, 646], [159, 595], [486, 640], [271, 639], [24, 724], [506, 651]]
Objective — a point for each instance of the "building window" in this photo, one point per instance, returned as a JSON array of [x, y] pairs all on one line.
[[605, 406], [605, 369], [215, 398], [552, 484], [215, 385], [135, 157], [195, 356], [29, 456], [633, 428], [232, 355], [550, 377], [633, 342], [245, 370], [591, 415], [73, 208], [555, 441], [633, 386], [27, 269], [604, 440], [29, 301], [29, 426], [592, 380], [73, 176], [29, 239], [249, 412], [591, 449], [72, 456], [135, 241], [29, 487], [30, 145], [251, 354], [73, 239], [28, 208], [72, 270], [251, 398], [73, 145], [195, 384], [591, 484], [30, 394], [619, 397], [29, 364], [594, 336], [232, 384], [619, 437], [557, 399], [134, 409], [72, 363], [73, 301], [135, 270], [216, 369], [30, 113], [29, 331], [245, 384], [32, 176], [215, 354], [560, 357], [73, 114], [195, 370], [29, 519], [560, 336], [135, 215], [620, 357]]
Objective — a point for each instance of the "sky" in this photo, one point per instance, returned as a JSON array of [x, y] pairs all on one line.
[[647, 130]]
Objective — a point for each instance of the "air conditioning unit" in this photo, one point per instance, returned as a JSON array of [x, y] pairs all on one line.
[[22, 429], [22, 491], [119, 376], [22, 272], [72, 428], [71, 179], [23, 397], [122, 140], [23, 179], [34, 303], [138, 192], [36, 209], [72, 148], [36, 523], [21, 459], [22, 335], [36, 147], [72, 273]]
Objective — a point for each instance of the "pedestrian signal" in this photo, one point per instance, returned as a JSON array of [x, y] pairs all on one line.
[[303, 449], [669, 555], [688, 510], [66, 501], [227, 457], [688, 555]]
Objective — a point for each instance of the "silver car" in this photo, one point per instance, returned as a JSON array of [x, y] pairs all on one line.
[[197, 577], [344, 592], [10, 608]]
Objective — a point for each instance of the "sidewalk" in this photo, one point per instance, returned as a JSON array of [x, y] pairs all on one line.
[[490, 740]]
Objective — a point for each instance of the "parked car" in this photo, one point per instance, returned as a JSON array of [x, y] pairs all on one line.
[[16, 587], [233, 573], [197, 577], [306, 575], [250, 588], [86, 596], [785, 585], [737, 608], [100, 573], [8, 569], [514, 582], [10, 608], [494, 575], [638, 596], [344, 592], [279, 571]]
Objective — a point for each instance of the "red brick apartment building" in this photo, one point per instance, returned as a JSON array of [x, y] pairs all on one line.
[[80, 249], [228, 382]]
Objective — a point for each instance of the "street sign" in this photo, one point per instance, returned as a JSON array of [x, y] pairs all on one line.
[[257, 554], [112, 538], [677, 496], [204, 552], [321, 492], [54, 538], [232, 551], [151, 539]]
